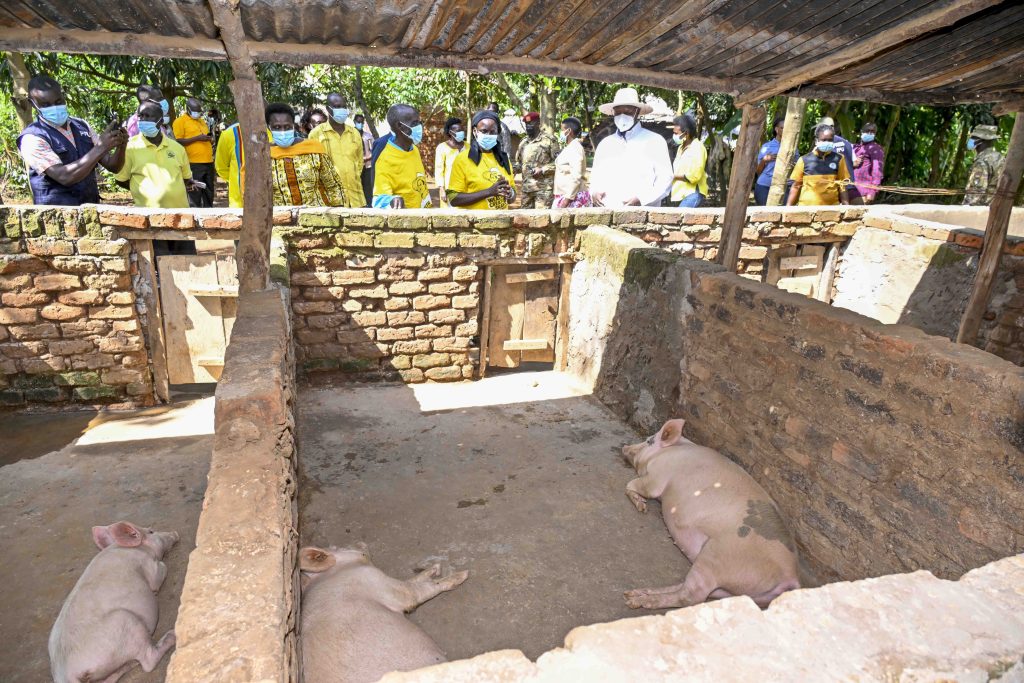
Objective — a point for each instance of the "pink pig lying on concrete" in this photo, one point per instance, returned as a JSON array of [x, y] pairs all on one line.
[[722, 520], [108, 618], [353, 629]]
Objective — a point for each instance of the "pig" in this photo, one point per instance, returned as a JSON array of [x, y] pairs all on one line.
[[107, 621], [353, 629], [724, 522]]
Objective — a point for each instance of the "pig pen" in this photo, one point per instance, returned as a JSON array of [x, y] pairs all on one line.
[[62, 473]]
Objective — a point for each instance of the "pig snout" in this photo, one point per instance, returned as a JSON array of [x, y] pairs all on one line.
[[162, 541]]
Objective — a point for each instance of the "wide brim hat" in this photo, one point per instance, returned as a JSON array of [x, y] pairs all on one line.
[[985, 132], [626, 97]]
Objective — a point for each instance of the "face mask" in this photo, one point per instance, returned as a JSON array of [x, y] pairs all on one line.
[[486, 142], [57, 114], [561, 138], [867, 137], [678, 139], [624, 122], [283, 138], [358, 126], [148, 128], [196, 115], [460, 136], [165, 106], [971, 143], [826, 146], [415, 133], [339, 114], [167, 119]]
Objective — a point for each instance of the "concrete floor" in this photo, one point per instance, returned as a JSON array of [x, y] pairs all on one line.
[[62, 473], [517, 478]]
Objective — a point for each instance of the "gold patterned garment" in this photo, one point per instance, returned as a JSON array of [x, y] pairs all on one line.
[[305, 179]]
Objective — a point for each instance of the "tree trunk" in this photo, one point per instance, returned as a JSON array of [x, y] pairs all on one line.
[[358, 92], [945, 116], [19, 74], [961, 151], [795, 109], [499, 80], [893, 122], [548, 107], [702, 114]]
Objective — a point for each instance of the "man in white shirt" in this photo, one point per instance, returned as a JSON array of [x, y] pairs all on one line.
[[631, 166]]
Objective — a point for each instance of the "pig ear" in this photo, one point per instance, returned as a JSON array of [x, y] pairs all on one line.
[[101, 536], [126, 534], [313, 559], [670, 433]]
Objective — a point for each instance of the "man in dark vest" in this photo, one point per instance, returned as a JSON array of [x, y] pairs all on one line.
[[61, 152]]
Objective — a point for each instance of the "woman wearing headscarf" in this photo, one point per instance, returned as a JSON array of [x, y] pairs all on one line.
[[446, 153], [481, 176]]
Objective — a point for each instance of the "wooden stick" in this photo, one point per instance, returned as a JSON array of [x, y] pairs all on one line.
[[946, 14], [257, 197], [995, 234], [739, 185], [795, 108]]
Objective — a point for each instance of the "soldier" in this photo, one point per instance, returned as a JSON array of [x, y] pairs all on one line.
[[536, 160], [988, 164]]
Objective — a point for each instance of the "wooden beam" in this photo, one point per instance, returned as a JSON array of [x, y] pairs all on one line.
[[995, 234], [795, 109], [1005, 108], [946, 14], [110, 43], [743, 165], [257, 194]]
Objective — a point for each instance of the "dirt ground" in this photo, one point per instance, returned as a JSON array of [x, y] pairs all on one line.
[[517, 478], [62, 473]]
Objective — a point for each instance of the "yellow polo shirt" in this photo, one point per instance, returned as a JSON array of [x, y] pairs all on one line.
[[401, 173], [187, 127], [156, 174], [345, 150], [469, 177]]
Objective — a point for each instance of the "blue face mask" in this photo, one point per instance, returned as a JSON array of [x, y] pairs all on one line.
[[460, 136], [867, 137], [561, 138], [148, 128], [57, 114], [678, 139], [415, 133], [196, 115], [165, 106], [486, 142], [826, 146], [971, 143], [283, 138], [358, 126], [339, 114]]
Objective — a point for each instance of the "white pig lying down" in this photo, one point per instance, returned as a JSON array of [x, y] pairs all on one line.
[[353, 629], [723, 521], [107, 621]]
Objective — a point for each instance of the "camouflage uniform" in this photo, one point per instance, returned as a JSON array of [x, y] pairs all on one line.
[[540, 152], [981, 186]]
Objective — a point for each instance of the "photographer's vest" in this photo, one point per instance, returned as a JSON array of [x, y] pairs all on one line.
[[46, 190]]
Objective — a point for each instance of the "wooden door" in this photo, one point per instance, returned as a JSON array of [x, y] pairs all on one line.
[[797, 268], [523, 313], [198, 295]]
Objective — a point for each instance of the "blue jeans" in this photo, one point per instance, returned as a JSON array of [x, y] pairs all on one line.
[[693, 201], [761, 194]]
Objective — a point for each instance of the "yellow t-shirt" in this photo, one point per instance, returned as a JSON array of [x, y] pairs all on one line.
[[821, 177], [690, 162], [156, 174], [469, 177], [401, 173], [444, 156], [346, 153], [187, 127]]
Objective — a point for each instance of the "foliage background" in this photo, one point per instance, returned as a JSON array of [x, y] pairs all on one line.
[[926, 145]]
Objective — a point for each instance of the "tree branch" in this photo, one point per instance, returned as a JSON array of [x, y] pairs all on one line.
[[498, 78], [91, 70]]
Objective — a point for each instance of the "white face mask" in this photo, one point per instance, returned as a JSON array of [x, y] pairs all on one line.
[[624, 122]]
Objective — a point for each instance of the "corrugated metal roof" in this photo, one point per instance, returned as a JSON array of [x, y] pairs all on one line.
[[725, 45]]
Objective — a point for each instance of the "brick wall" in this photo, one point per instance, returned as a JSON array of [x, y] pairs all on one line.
[[888, 450], [70, 330]]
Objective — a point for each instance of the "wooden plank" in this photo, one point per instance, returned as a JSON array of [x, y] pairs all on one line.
[[541, 311], [798, 285], [210, 362], [227, 277], [775, 259], [740, 182], [213, 290], [798, 262], [795, 108], [946, 14], [192, 327], [995, 234], [508, 311], [527, 260], [530, 276], [562, 321], [154, 318], [823, 291], [485, 323], [526, 344]]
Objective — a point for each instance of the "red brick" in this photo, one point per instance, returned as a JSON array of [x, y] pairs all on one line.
[[57, 282], [124, 219], [62, 312], [172, 221], [24, 299]]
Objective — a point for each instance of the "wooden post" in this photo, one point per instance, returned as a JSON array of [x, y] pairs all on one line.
[[20, 77], [995, 234], [795, 109], [739, 185], [257, 197]]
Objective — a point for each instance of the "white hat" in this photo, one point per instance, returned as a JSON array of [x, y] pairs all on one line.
[[626, 97]]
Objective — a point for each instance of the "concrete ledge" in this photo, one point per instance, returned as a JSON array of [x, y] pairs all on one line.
[[904, 627], [237, 618]]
